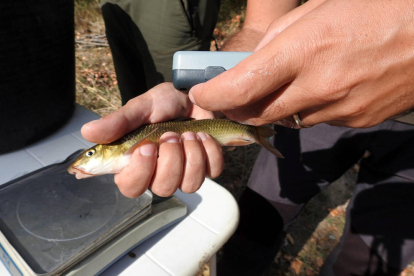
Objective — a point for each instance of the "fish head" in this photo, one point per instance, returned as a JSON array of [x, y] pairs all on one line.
[[98, 160]]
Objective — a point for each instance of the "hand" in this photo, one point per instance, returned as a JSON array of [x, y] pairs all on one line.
[[346, 63], [183, 162]]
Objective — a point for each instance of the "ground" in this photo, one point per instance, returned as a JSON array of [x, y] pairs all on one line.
[[318, 228]]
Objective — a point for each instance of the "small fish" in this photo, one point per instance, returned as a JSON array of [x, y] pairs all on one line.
[[113, 157]]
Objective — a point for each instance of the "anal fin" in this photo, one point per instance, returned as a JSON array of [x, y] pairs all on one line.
[[238, 142]]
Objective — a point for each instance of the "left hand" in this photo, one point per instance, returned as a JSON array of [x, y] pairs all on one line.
[[346, 63], [180, 162]]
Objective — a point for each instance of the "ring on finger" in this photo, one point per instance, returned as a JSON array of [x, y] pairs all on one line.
[[299, 122]]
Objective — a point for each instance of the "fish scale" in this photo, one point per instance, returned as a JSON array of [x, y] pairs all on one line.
[[217, 128], [113, 157]]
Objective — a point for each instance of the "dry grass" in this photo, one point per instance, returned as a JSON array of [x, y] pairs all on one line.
[[319, 226], [96, 84]]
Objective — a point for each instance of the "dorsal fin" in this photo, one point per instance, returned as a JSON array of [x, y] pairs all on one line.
[[131, 149], [183, 119]]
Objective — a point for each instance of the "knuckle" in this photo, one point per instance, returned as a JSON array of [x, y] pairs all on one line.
[[162, 190], [336, 91], [355, 124], [169, 136], [190, 189], [275, 111], [217, 171], [357, 110], [128, 191], [195, 164], [260, 113], [134, 194], [165, 85], [333, 90], [354, 112], [361, 123]]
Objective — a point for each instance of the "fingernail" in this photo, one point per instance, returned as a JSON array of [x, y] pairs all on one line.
[[202, 136], [190, 95], [189, 136], [148, 149], [171, 138]]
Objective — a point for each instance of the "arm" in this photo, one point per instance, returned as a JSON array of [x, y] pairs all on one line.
[[259, 15]]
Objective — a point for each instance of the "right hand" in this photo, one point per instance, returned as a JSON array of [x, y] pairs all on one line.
[[338, 63], [183, 162]]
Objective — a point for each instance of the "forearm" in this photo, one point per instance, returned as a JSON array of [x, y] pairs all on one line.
[[259, 15], [243, 41]]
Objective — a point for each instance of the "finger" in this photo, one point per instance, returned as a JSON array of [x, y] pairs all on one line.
[[285, 21], [344, 113], [194, 164], [279, 106], [265, 111], [214, 155], [250, 80], [170, 165], [200, 113], [135, 178], [120, 122]]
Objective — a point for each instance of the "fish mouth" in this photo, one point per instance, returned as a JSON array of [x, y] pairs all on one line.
[[79, 173]]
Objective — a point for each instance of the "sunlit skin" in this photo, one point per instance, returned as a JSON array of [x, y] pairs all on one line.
[[341, 62], [177, 153], [345, 63], [149, 166]]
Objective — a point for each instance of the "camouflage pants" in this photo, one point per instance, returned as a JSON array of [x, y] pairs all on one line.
[[144, 35]]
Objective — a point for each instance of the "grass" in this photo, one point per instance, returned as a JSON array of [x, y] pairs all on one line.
[[96, 83], [317, 229]]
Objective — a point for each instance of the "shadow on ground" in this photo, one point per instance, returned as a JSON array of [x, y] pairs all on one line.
[[317, 229]]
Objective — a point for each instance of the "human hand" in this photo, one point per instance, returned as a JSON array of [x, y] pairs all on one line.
[[346, 63], [183, 162]]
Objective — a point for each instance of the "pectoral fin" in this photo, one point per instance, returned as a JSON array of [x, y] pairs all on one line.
[[131, 149]]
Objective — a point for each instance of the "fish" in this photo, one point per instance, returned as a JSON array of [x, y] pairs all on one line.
[[113, 157]]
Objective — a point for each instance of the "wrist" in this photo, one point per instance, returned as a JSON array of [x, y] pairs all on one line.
[[245, 40]]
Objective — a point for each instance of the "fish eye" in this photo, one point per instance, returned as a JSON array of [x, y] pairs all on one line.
[[89, 153]]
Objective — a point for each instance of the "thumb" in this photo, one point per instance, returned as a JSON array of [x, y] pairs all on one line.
[[285, 21], [253, 78]]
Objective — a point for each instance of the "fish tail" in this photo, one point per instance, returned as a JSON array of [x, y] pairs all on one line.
[[263, 134]]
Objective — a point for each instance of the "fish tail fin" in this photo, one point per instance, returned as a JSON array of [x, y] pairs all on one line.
[[263, 134]]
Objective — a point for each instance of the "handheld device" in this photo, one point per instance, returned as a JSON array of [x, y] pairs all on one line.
[[194, 67]]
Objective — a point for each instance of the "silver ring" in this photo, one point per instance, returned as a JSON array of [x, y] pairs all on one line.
[[299, 122]]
